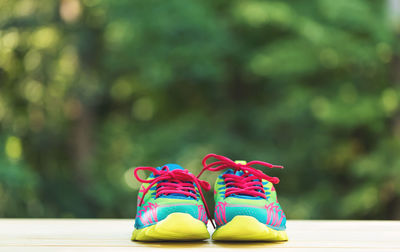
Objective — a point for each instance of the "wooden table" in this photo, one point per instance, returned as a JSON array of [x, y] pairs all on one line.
[[113, 235]]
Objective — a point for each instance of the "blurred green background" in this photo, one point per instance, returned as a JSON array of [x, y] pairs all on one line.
[[89, 89]]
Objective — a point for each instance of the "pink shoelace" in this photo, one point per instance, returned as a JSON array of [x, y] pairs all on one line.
[[244, 184], [174, 182]]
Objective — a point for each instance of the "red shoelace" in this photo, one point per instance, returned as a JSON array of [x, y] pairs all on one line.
[[174, 182], [249, 183]]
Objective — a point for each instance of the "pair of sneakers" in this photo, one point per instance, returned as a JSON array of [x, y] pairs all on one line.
[[171, 204]]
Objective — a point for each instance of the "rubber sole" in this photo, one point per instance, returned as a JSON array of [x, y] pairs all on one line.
[[247, 228], [176, 227]]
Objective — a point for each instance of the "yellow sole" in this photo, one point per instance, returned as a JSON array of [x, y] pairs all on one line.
[[176, 227], [247, 228]]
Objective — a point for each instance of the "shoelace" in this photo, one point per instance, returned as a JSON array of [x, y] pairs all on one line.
[[174, 182], [249, 183]]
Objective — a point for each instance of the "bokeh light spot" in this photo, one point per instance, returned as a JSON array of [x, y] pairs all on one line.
[[24, 8], [257, 13], [143, 109], [320, 107], [390, 100], [70, 10], [10, 40], [68, 62], [254, 13], [119, 32], [33, 91], [32, 60], [130, 180], [13, 148], [122, 89], [45, 37]]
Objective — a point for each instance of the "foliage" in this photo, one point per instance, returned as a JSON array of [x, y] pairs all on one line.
[[90, 89]]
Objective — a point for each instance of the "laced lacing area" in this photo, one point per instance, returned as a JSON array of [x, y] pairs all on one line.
[[249, 182], [173, 182]]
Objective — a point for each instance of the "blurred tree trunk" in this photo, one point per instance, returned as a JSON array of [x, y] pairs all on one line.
[[86, 96], [82, 145]]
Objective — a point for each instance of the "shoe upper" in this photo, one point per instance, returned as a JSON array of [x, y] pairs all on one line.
[[173, 190], [266, 210], [242, 190]]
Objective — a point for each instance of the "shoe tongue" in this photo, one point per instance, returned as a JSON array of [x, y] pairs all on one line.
[[231, 171], [171, 167], [240, 173], [241, 162]]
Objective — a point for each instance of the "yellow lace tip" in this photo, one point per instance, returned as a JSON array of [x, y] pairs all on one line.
[[242, 162]]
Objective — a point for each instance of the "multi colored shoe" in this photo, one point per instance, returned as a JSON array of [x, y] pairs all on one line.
[[246, 205], [171, 205]]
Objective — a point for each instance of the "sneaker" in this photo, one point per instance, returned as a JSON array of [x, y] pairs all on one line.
[[246, 205], [171, 205]]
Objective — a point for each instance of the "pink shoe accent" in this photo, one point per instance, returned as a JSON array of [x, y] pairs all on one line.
[[220, 213], [275, 215], [202, 214], [141, 190], [148, 214], [154, 211]]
